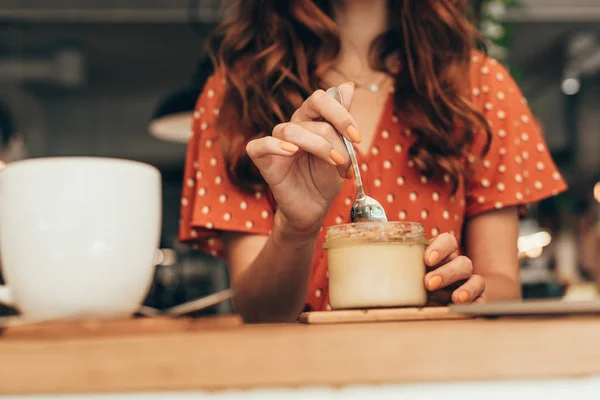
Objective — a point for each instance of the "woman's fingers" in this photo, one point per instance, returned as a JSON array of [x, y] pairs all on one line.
[[347, 91], [440, 248], [444, 261], [328, 132], [323, 129], [322, 106], [260, 150], [470, 291], [310, 142], [460, 268]]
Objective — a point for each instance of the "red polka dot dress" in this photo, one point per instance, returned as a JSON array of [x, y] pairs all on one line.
[[517, 170]]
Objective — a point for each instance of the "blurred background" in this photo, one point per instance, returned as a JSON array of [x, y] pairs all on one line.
[[119, 78]]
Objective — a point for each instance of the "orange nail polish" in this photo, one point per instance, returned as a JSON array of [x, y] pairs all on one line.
[[463, 296], [350, 173], [434, 283], [433, 258], [354, 134], [336, 157], [289, 147]]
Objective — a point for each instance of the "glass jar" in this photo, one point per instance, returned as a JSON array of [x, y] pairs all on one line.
[[376, 264]]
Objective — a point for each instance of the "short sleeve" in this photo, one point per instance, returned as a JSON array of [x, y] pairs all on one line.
[[210, 203], [518, 169]]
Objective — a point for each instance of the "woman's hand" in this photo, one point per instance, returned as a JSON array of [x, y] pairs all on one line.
[[451, 277], [304, 161]]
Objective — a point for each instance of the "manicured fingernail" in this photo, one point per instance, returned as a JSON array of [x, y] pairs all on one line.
[[463, 296], [336, 157], [434, 283], [350, 83], [433, 258], [350, 173], [289, 147], [354, 134]]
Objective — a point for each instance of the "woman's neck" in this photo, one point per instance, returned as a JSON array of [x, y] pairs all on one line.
[[359, 22]]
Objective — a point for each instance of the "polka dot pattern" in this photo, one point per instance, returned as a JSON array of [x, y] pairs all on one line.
[[517, 170], [520, 169], [213, 204]]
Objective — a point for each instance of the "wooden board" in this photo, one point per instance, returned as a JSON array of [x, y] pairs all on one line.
[[379, 315], [66, 329], [530, 308]]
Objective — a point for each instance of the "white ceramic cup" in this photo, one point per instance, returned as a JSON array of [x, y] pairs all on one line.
[[78, 235]]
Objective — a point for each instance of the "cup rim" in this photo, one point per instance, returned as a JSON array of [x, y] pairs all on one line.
[[67, 159]]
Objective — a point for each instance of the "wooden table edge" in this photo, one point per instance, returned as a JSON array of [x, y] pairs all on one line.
[[293, 356]]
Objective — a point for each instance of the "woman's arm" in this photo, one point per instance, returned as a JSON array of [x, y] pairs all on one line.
[[270, 275], [491, 244]]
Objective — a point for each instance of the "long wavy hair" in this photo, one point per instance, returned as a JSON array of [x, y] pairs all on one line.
[[273, 54]]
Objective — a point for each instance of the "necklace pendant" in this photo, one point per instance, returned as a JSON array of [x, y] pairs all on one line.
[[374, 88]]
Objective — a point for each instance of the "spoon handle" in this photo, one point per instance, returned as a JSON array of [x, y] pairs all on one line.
[[360, 192], [186, 308]]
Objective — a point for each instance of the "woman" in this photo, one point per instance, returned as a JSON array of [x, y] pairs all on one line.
[[443, 135]]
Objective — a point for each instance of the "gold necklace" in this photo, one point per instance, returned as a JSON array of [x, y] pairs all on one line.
[[373, 87]]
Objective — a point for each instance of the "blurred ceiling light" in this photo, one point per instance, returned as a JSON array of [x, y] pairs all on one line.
[[172, 119], [570, 86], [597, 192]]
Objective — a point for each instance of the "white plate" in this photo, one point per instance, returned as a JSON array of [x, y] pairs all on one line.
[[530, 307]]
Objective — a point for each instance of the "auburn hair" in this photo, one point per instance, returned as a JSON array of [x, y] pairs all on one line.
[[274, 53]]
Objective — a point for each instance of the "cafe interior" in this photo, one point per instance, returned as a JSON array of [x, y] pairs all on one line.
[[120, 79]]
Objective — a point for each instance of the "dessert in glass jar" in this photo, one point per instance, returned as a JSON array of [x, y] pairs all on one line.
[[376, 264]]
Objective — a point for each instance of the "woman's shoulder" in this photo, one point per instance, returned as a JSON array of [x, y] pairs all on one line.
[[209, 102], [214, 88], [487, 71], [492, 87]]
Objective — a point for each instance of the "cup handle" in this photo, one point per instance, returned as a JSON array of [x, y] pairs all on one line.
[[6, 297]]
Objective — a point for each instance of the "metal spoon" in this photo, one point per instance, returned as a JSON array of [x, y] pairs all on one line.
[[191, 306], [365, 208]]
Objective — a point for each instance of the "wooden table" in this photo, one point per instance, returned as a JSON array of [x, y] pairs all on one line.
[[262, 356]]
